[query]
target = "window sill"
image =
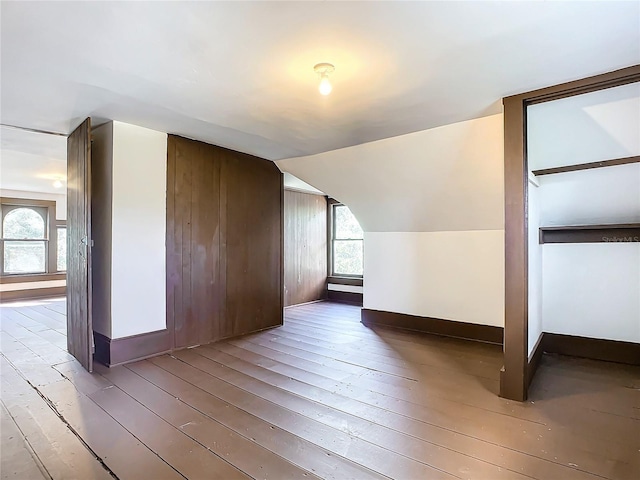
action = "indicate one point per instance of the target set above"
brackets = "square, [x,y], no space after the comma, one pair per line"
[32,277]
[355,281]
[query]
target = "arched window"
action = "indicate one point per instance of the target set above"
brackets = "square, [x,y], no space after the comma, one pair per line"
[24,239]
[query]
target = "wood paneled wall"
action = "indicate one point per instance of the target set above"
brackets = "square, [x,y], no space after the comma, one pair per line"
[224,243]
[305,247]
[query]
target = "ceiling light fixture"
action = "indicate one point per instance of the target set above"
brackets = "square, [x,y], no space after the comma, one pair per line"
[324,69]
[57,183]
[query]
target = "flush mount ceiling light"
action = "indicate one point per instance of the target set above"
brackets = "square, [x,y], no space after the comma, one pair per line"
[324,69]
[58,182]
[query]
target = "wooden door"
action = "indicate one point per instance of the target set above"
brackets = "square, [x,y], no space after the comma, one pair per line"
[79,324]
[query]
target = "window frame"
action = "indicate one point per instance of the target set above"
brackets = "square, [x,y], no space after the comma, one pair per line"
[333,277]
[51,236]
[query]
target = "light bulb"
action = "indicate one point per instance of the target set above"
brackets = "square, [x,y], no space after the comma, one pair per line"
[325,85]
[57,184]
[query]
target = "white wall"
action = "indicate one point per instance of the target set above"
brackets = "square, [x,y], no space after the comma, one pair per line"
[449,275]
[592,290]
[61,199]
[444,179]
[294,183]
[431,205]
[599,195]
[138,230]
[535,266]
[589,290]
[585,128]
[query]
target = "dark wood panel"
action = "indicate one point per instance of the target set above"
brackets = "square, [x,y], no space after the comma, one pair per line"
[587,166]
[613,233]
[353,298]
[79,288]
[224,243]
[173,242]
[254,230]
[513,377]
[469,331]
[305,247]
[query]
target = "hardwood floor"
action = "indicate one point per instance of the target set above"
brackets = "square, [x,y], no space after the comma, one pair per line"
[321,397]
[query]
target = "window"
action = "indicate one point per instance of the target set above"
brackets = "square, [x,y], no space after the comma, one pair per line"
[32,241]
[25,240]
[347,244]
[61,254]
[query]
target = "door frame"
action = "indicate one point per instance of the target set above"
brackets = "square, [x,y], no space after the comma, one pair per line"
[515,375]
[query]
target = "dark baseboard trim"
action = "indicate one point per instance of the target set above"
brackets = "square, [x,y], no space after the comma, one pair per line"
[113,352]
[593,348]
[448,328]
[36,277]
[304,303]
[33,293]
[535,359]
[102,353]
[344,297]
[357,282]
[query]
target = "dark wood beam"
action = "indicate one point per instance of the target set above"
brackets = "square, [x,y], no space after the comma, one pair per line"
[587,166]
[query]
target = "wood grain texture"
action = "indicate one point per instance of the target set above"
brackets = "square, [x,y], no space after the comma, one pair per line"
[79,288]
[321,397]
[305,247]
[224,243]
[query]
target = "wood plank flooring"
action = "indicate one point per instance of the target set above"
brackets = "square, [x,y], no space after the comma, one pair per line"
[321,397]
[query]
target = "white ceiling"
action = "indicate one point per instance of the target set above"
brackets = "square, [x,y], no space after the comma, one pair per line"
[32,161]
[240,74]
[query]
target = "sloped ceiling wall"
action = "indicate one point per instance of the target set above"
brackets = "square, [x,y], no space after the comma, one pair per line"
[431,204]
[445,179]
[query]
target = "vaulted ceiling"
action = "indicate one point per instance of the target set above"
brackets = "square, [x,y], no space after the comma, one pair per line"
[240,74]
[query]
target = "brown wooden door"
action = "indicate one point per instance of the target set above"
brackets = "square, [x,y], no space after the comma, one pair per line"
[79,324]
